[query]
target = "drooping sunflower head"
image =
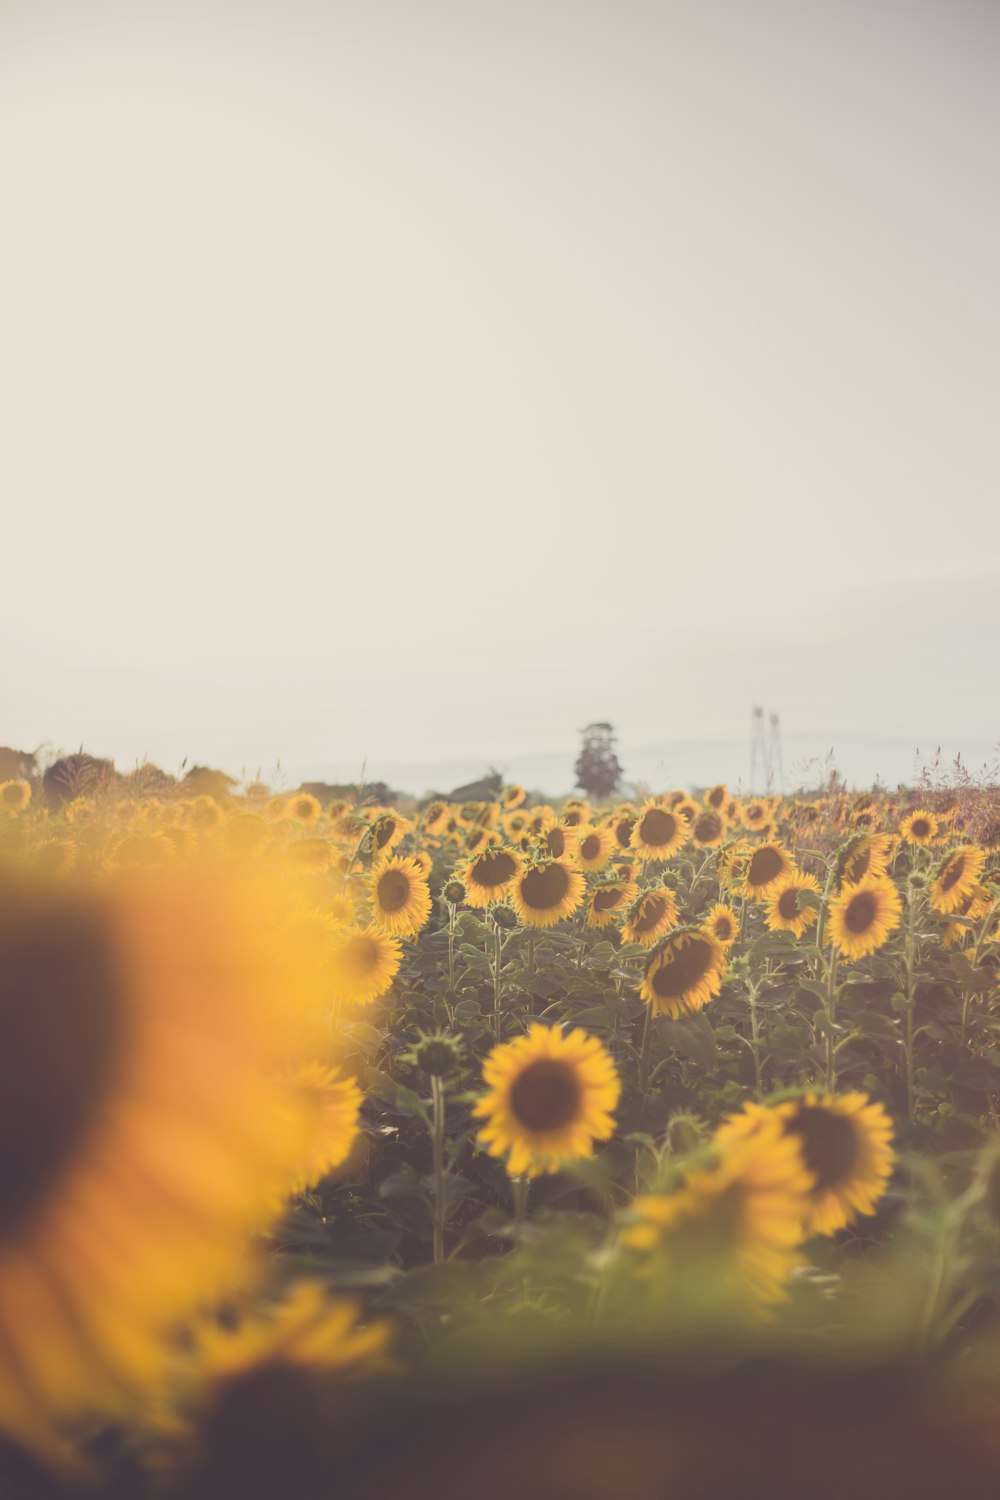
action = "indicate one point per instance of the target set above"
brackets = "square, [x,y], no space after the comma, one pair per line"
[608,901]
[708,829]
[650,916]
[723,924]
[400,897]
[363,963]
[387,828]
[732,1224]
[786,909]
[683,972]
[846,1147]
[767,866]
[863,916]
[559,841]
[488,876]
[14,797]
[919,827]
[550,1095]
[546,892]
[658,832]
[956,877]
[594,847]
[864,854]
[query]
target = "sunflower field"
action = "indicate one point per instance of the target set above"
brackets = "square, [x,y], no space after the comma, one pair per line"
[616,1150]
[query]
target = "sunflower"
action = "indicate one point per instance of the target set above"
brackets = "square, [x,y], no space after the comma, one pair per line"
[977,904]
[546,892]
[575,812]
[715,798]
[363,962]
[387,828]
[755,813]
[80,810]
[246,834]
[14,797]
[784,910]
[708,829]
[651,915]
[514,823]
[204,813]
[251,1400]
[142,1023]
[140,851]
[862,916]
[303,808]
[512,797]
[723,924]
[487,877]
[956,877]
[846,1146]
[480,838]
[865,854]
[606,902]
[332,1104]
[400,897]
[315,854]
[735,1221]
[435,817]
[423,862]
[767,867]
[622,826]
[551,1095]
[594,847]
[559,842]
[658,833]
[686,807]
[540,818]
[683,972]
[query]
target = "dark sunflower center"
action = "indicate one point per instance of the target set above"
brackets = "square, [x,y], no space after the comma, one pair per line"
[393,890]
[754,813]
[623,831]
[861,912]
[829,1144]
[658,827]
[573,818]
[384,832]
[717,796]
[788,903]
[920,828]
[544,887]
[707,827]
[590,848]
[723,927]
[652,911]
[607,897]
[545,1095]
[62,1028]
[361,953]
[683,969]
[765,865]
[953,873]
[491,870]
[557,842]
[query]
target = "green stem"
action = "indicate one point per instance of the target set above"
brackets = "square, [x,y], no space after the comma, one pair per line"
[520,1187]
[755,1036]
[497,981]
[644,1055]
[452,912]
[831,1011]
[437,1143]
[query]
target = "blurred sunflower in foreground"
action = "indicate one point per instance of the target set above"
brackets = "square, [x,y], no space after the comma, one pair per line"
[145,1134]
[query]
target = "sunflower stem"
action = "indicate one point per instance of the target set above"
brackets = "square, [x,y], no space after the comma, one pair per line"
[497,981]
[831,1012]
[437,1144]
[755,1035]
[644,1056]
[519,1188]
[452,912]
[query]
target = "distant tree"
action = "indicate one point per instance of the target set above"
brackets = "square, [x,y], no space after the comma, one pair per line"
[598,772]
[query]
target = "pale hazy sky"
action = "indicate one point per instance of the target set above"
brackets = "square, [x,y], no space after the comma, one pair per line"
[416,380]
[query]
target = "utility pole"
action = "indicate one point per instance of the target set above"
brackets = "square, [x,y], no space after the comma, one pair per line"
[758,747]
[775,769]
